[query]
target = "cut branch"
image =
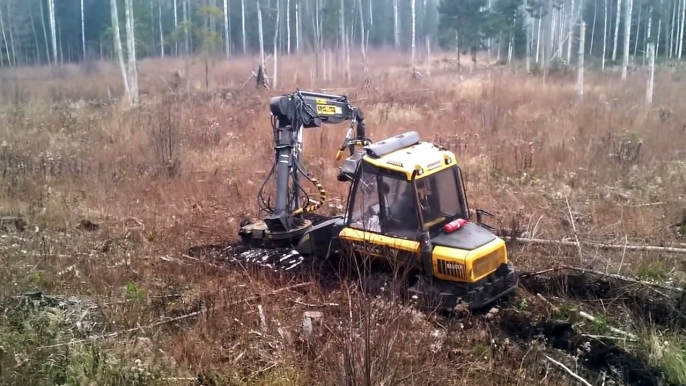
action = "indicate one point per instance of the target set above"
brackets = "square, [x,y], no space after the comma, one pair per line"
[585,382]
[599,245]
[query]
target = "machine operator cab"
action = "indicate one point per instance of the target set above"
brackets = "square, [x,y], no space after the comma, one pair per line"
[403,193]
[390,198]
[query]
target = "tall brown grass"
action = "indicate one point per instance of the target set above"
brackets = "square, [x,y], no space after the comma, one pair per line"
[183,169]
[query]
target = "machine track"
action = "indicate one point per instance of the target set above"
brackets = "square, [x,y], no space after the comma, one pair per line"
[285,259]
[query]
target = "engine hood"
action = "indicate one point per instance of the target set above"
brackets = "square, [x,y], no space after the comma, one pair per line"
[471,236]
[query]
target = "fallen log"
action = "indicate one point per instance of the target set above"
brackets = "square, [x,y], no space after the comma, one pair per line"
[597,245]
[599,273]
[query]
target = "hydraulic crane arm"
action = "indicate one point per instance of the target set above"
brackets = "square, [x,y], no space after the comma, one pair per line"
[291,114]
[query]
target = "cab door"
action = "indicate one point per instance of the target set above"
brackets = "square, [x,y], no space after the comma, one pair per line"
[370,231]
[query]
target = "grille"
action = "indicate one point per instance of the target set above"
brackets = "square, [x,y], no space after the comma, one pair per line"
[488,263]
[451,268]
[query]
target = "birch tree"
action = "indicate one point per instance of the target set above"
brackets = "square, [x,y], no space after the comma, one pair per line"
[118,48]
[396,25]
[83,32]
[4,38]
[627,37]
[580,75]
[288,25]
[226,29]
[245,47]
[681,34]
[176,24]
[159,19]
[276,36]
[53,30]
[131,48]
[261,35]
[45,33]
[651,76]
[413,34]
[362,40]
[672,34]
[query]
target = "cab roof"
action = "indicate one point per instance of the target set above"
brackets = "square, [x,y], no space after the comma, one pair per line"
[406,153]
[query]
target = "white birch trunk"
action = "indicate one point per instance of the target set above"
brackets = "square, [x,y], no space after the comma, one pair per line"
[371,16]
[627,37]
[288,25]
[681,34]
[9,27]
[659,29]
[413,33]
[648,32]
[245,47]
[619,15]
[347,58]
[185,31]
[570,35]
[152,27]
[580,76]
[159,19]
[678,27]
[428,56]
[276,38]
[538,37]
[546,55]
[53,30]
[595,12]
[45,34]
[131,48]
[4,37]
[396,25]
[227,41]
[341,25]
[651,77]
[362,39]
[602,65]
[83,32]
[297,27]
[261,35]
[118,48]
[672,32]
[176,23]
[529,39]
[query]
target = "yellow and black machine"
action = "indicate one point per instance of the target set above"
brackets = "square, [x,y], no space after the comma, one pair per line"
[407,202]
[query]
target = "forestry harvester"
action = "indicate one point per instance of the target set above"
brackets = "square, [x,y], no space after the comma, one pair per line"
[406,203]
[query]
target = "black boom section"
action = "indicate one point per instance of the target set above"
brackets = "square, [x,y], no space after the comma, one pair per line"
[311,109]
[291,113]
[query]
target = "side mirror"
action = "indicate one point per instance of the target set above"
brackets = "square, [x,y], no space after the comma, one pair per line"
[480,213]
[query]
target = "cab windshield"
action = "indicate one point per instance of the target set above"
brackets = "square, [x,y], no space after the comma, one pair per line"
[441,198]
[395,206]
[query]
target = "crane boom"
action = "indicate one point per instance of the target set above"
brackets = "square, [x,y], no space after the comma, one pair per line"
[291,114]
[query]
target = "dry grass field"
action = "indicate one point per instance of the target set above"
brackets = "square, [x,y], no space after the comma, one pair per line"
[101,202]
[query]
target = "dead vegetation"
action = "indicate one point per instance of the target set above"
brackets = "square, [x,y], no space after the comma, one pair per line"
[101,203]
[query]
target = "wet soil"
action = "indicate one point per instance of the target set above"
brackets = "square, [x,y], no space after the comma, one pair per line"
[653,306]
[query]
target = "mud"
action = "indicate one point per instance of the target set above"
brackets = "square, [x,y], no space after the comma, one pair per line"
[597,356]
[642,303]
